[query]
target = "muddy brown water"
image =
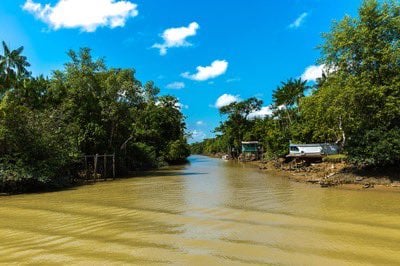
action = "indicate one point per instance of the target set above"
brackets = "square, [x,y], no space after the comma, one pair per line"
[207,212]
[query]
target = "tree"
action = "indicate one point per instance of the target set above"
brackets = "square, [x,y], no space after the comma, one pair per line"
[13,67]
[237,123]
[161,125]
[287,95]
[359,102]
[32,93]
[36,147]
[46,124]
[355,103]
[151,91]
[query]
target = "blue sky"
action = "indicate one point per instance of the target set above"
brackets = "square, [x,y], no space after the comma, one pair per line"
[206,53]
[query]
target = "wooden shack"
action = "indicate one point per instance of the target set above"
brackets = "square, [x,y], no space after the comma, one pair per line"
[251,150]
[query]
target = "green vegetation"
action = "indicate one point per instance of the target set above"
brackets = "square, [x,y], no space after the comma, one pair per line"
[47,124]
[335,158]
[356,102]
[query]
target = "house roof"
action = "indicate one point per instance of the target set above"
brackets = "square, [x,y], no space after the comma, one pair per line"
[249,142]
[311,144]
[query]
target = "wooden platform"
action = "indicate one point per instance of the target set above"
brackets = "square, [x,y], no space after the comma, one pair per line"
[305,155]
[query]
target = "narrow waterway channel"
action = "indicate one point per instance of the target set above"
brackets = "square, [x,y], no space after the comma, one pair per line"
[206,212]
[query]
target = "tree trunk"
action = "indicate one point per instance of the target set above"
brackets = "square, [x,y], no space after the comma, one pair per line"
[111,135]
[123,146]
[343,133]
[290,119]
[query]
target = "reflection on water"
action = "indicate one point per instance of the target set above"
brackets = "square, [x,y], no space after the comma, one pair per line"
[207,212]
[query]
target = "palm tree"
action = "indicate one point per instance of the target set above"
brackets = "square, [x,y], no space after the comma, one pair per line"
[289,94]
[13,67]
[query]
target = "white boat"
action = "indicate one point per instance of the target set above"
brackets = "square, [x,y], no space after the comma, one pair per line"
[312,150]
[226,157]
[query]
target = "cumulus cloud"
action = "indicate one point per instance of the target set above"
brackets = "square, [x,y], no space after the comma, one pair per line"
[263,112]
[87,15]
[176,85]
[300,20]
[178,105]
[200,123]
[198,135]
[217,68]
[281,107]
[181,106]
[176,37]
[313,72]
[226,99]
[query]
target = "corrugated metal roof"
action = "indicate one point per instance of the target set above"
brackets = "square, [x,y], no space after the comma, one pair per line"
[249,142]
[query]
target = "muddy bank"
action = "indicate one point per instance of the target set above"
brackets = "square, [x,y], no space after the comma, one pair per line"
[338,175]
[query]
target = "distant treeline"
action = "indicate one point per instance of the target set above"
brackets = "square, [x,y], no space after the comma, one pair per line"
[356,102]
[47,124]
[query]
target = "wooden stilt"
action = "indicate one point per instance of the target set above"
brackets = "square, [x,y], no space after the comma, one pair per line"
[105,167]
[86,168]
[113,158]
[95,166]
[97,170]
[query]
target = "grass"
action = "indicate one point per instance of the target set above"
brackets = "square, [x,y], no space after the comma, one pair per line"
[335,158]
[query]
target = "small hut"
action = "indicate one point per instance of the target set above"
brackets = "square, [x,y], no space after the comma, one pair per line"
[251,150]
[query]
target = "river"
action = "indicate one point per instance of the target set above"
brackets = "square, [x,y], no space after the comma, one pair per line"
[207,212]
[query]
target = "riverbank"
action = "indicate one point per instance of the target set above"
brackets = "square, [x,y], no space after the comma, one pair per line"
[335,174]
[332,174]
[14,186]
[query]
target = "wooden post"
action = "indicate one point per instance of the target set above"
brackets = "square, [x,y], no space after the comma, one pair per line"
[262,153]
[105,167]
[86,168]
[95,166]
[113,160]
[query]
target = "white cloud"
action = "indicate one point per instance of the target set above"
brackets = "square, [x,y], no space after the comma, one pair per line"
[265,111]
[178,105]
[300,20]
[226,99]
[217,68]
[176,37]
[233,80]
[87,15]
[181,106]
[281,107]
[198,135]
[200,123]
[311,73]
[176,85]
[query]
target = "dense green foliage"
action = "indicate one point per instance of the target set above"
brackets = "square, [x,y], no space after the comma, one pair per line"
[360,101]
[47,124]
[356,102]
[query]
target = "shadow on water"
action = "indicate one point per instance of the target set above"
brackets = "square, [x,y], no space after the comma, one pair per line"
[48,189]
[165,173]
[172,170]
